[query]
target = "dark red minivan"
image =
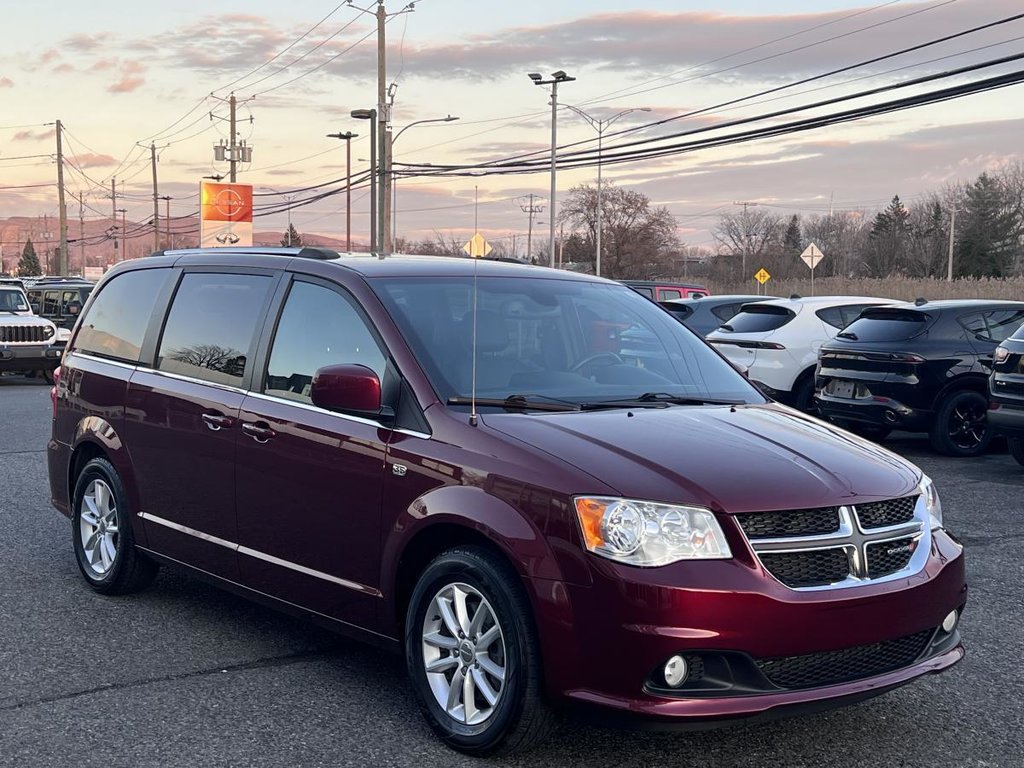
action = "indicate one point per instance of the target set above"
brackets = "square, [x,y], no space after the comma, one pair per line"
[536,484]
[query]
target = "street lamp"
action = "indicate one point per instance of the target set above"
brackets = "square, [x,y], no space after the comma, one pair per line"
[347,137]
[375,231]
[288,197]
[599,126]
[394,178]
[556,78]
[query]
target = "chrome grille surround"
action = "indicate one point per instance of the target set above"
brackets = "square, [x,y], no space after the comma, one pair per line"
[855,540]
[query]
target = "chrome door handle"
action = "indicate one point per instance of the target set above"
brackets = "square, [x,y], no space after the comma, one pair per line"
[216,421]
[258,433]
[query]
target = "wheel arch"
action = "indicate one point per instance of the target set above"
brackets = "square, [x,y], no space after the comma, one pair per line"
[975,382]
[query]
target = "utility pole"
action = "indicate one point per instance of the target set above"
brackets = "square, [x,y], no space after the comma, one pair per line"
[124,232]
[952,240]
[347,138]
[746,237]
[531,207]
[232,105]
[167,220]
[62,258]
[81,232]
[113,212]
[156,201]
[556,78]
[383,130]
[233,151]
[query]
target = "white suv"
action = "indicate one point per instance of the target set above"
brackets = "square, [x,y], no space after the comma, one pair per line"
[26,341]
[778,341]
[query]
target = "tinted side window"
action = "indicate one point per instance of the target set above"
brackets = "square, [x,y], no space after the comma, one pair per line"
[725,312]
[832,316]
[666,294]
[1003,322]
[974,323]
[51,304]
[211,326]
[852,312]
[318,327]
[648,292]
[116,321]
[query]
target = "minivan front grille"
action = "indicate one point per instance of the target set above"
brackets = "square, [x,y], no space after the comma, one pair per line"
[23,334]
[881,514]
[840,546]
[831,667]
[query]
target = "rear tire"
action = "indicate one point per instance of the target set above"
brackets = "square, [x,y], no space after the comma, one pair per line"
[803,395]
[507,711]
[1016,445]
[961,425]
[101,530]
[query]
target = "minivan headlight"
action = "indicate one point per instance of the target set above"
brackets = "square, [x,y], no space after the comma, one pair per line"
[931,501]
[646,533]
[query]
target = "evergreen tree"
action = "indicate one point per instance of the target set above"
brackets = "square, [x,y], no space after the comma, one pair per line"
[292,237]
[986,232]
[888,239]
[29,266]
[793,241]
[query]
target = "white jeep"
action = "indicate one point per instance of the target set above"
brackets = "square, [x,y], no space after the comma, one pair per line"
[28,344]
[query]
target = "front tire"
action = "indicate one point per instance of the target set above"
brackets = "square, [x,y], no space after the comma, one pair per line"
[961,425]
[1016,445]
[474,657]
[101,529]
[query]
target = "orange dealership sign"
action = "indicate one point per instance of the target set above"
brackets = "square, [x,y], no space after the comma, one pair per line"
[225,213]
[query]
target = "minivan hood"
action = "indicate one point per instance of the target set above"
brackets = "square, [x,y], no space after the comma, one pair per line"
[743,459]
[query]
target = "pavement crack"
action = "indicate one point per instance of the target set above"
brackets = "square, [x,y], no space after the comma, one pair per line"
[265,663]
[22,453]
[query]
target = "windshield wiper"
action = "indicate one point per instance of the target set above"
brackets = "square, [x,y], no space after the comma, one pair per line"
[519,402]
[659,400]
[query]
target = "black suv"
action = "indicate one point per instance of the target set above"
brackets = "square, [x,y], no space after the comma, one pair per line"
[60,299]
[1006,390]
[920,367]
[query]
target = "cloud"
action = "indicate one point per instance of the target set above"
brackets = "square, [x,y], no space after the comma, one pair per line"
[30,135]
[6,82]
[84,42]
[50,55]
[92,160]
[131,77]
[102,65]
[63,69]
[285,172]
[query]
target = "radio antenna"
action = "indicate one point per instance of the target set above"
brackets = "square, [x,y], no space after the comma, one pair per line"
[472,384]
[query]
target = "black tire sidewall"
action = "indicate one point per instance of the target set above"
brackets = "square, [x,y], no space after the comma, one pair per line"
[479,571]
[1016,446]
[103,470]
[940,430]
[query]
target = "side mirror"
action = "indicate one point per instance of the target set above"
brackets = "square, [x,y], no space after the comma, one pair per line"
[34,307]
[74,307]
[349,388]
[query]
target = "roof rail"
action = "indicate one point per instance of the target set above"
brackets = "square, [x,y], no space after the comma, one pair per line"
[305,252]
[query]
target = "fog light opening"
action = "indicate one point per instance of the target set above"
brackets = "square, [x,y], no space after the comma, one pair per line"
[676,670]
[948,623]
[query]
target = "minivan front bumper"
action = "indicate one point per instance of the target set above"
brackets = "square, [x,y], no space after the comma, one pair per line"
[738,623]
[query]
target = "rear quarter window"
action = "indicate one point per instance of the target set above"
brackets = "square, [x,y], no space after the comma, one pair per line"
[116,321]
[759,318]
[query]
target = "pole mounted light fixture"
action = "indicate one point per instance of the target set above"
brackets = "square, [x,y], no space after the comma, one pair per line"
[394,177]
[556,77]
[347,137]
[376,233]
[599,126]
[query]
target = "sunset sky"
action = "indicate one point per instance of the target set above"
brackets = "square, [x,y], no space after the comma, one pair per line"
[117,74]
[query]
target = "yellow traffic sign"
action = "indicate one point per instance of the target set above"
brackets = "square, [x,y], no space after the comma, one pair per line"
[477,246]
[762,276]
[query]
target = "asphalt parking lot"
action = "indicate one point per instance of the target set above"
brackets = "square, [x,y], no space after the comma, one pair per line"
[187,675]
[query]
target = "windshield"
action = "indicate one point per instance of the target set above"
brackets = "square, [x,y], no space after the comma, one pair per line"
[12,300]
[570,340]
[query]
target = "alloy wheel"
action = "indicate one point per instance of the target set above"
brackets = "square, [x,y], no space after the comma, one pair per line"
[967,425]
[98,527]
[464,653]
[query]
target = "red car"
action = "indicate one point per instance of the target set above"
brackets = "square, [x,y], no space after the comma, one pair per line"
[458,460]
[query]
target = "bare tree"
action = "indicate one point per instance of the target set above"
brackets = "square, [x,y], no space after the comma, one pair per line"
[752,235]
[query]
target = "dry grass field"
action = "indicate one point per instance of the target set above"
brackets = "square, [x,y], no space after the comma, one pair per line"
[900,288]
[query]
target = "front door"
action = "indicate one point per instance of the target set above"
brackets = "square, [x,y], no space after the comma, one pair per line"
[309,480]
[181,417]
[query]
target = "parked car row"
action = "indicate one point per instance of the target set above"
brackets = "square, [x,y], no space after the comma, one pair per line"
[950,368]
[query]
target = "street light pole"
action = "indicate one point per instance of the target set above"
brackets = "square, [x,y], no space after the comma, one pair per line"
[371,115]
[556,78]
[347,138]
[599,126]
[394,178]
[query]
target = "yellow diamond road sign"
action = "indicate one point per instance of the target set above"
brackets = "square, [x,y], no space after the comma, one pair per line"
[762,276]
[477,246]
